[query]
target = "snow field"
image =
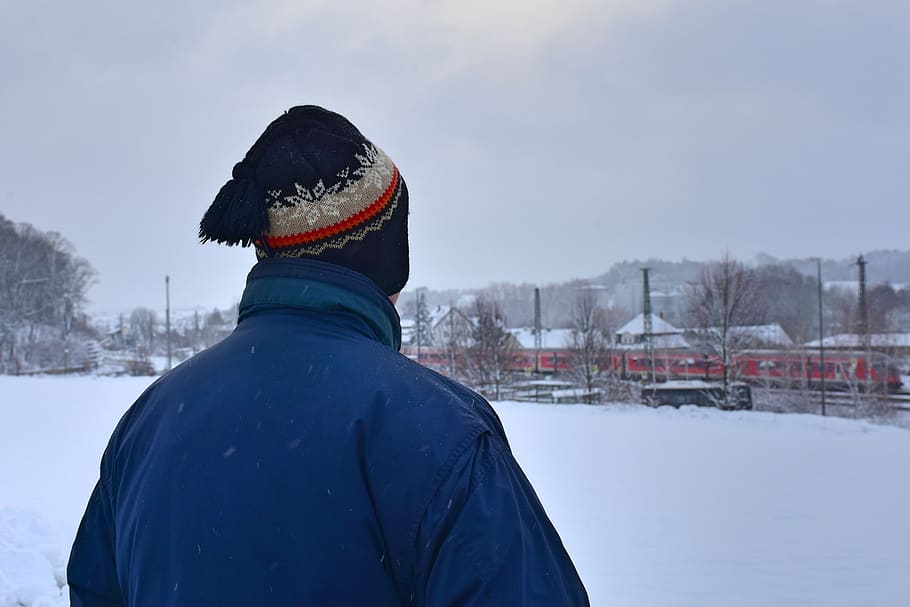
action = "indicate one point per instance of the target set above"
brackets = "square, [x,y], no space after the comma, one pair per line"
[704,507]
[53,431]
[657,507]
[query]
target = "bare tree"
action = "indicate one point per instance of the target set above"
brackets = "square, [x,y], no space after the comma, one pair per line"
[590,342]
[215,327]
[883,303]
[487,357]
[797,312]
[723,299]
[42,290]
[143,324]
[455,333]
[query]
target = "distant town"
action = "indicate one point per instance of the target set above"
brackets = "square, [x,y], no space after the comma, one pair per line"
[766,322]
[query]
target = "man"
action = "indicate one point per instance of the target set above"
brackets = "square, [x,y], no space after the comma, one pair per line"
[303,460]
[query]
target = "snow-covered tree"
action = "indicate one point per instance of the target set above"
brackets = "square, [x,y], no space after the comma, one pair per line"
[723,298]
[422,336]
[491,345]
[43,284]
[143,326]
[590,341]
[797,311]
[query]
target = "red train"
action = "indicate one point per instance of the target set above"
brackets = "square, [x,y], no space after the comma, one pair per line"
[842,371]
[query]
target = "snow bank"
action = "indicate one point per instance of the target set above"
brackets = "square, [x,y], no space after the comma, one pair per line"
[32,561]
[52,433]
[657,507]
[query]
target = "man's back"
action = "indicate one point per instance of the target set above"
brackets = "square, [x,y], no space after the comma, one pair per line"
[304,461]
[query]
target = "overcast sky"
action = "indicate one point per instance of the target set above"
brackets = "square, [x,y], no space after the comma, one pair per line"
[541,140]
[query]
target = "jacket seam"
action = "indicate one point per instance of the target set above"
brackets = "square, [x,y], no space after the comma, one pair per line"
[471,555]
[444,471]
[469,551]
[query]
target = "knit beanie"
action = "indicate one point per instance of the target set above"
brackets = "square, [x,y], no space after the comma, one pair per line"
[312,186]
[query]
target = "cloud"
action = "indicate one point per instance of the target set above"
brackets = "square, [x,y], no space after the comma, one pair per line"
[611,128]
[454,35]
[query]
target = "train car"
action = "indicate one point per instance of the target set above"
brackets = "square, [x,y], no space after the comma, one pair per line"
[842,370]
[786,369]
[554,361]
[434,358]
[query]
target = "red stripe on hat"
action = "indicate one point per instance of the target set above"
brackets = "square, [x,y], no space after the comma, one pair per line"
[343,226]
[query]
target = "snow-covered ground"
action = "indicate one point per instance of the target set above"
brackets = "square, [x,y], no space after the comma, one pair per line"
[657,507]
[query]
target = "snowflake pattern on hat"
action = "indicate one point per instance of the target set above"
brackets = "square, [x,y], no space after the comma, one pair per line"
[359,199]
[319,207]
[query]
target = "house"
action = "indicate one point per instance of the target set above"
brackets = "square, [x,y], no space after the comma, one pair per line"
[441,322]
[550,339]
[664,336]
[767,336]
[751,336]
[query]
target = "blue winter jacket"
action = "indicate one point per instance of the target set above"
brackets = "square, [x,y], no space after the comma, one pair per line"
[304,461]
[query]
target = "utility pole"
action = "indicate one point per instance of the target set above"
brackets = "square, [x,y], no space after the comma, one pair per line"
[537,329]
[649,326]
[821,332]
[863,320]
[167,317]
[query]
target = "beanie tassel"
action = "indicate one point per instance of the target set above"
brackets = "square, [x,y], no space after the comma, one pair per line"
[237,216]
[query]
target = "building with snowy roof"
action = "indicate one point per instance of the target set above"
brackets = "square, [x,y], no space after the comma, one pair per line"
[442,322]
[664,336]
[755,336]
[770,336]
[550,339]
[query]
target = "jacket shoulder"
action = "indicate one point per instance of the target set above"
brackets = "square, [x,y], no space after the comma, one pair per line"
[458,399]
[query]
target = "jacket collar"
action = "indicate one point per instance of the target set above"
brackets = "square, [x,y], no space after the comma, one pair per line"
[320,286]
